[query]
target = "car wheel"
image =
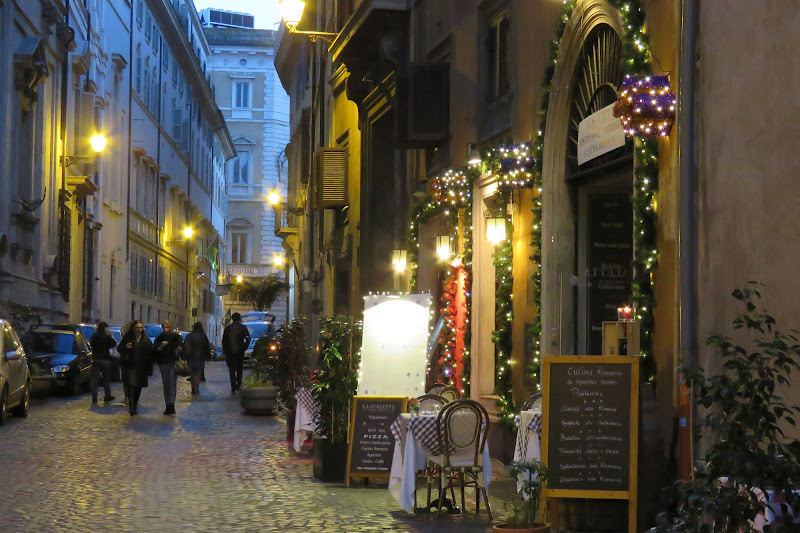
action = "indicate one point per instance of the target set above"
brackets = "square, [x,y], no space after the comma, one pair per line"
[22,409]
[3,403]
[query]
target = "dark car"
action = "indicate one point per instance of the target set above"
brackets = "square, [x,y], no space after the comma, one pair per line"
[258,316]
[61,358]
[257,330]
[152,331]
[15,379]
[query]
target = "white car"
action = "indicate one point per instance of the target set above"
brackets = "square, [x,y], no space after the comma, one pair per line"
[15,377]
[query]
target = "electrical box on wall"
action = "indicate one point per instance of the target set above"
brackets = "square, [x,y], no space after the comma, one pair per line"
[621,337]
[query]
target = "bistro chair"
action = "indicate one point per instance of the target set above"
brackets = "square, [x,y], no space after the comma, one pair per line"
[461,427]
[427,401]
[532,402]
[436,389]
[450,393]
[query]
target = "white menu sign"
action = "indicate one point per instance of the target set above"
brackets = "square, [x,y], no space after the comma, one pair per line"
[394,345]
[598,134]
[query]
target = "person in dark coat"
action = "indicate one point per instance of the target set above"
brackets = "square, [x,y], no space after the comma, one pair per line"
[195,350]
[167,347]
[102,342]
[136,355]
[235,340]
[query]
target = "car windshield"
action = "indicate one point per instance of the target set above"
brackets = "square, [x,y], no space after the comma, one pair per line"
[258,316]
[257,330]
[153,330]
[87,331]
[50,342]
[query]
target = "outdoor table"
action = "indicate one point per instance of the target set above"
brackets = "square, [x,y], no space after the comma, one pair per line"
[415,440]
[529,434]
[305,413]
[773,513]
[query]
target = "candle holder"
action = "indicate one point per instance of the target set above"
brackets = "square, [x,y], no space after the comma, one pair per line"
[626,313]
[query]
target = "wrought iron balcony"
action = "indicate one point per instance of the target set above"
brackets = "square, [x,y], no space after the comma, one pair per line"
[286,220]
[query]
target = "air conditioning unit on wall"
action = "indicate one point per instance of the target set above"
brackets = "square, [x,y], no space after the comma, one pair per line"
[330,167]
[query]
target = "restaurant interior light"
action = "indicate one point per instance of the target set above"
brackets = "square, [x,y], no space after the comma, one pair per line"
[443,247]
[496,230]
[399,258]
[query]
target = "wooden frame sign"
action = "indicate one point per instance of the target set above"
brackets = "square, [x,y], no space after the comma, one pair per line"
[590,430]
[371,443]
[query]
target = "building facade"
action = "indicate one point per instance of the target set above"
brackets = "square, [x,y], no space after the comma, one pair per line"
[671,224]
[99,236]
[255,107]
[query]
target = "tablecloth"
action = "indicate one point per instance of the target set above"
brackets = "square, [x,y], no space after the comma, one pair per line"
[410,456]
[529,434]
[305,413]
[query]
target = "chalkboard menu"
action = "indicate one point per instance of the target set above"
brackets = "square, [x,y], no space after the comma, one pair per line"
[591,405]
[371,441]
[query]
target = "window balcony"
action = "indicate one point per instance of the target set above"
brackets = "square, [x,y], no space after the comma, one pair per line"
[251,271]
[286,222]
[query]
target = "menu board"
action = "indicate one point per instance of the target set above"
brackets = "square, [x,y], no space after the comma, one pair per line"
[371,443]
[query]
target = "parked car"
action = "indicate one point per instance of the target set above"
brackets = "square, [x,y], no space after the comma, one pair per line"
[62,358]
[153,331]
[15,377]
[258,316]
[116,371]
[257,330]
[86,329]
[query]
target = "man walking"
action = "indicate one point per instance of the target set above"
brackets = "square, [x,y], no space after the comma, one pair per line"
[167,345]
[102,342]
[235,339]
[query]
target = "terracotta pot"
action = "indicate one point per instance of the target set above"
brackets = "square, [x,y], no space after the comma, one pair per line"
[535,528]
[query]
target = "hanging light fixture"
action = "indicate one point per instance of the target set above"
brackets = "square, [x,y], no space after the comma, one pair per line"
[495,230]
[443,247]
[473,155]
[399,258]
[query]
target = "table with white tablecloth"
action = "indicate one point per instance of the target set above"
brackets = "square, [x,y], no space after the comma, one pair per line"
[306,411]
[529,434]
[415,440]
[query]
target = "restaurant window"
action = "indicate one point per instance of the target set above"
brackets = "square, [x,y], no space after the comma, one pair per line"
[239,247]
[497,56]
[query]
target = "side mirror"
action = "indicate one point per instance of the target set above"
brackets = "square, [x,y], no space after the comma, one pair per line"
[11,356]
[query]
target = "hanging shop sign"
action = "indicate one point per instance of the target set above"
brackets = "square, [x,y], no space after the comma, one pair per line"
[598,134]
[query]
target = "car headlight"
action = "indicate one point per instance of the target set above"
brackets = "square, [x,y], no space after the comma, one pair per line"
[61,368]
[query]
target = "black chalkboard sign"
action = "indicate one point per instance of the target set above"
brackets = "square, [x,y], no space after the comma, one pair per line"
[590,427]
[371,443]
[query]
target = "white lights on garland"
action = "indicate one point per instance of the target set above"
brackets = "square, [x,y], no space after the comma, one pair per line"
[512,165]
[646,106]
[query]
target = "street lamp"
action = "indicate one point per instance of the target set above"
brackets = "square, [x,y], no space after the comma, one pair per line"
[443,247]
[239,278]
[97,141]
[278,260]
[399,258]
[495,230]
[274,199]
[187,234]
[292,14]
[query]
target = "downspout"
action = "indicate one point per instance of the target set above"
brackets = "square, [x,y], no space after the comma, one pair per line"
[64,96]
[130,137]
[688,166]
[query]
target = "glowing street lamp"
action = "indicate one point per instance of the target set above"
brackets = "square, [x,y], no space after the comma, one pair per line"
[274,197]
[399,258]
[292,13]
[278,260]
[443,247]
[98,142]
[188,232]
[239,278]
[496,230]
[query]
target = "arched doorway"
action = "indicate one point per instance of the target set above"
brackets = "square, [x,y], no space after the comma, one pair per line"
[587,220]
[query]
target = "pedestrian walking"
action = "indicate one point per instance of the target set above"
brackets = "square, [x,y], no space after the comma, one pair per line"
[136,351]
[102,343]
[167,348]
[235,339]
[195,350]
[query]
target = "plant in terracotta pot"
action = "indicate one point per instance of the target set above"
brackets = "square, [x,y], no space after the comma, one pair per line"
[291,369]
[259,396]
[334,385]
[524,511]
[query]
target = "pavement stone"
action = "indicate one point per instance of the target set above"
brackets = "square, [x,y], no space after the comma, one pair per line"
[71,466]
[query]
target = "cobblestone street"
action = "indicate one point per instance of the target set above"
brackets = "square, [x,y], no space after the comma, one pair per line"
[72,466]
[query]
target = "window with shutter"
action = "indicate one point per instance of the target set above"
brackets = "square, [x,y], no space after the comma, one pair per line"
[497,58]
[332,177]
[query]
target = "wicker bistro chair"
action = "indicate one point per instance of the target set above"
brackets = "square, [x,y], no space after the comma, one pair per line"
[450,393]
[427,401]
[462,427]
[532,402]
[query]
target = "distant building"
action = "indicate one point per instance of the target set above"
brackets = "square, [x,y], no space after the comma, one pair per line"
[256,110]
[219,18]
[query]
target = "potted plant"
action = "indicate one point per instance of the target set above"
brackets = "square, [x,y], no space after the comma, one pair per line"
[335,384]
[291,367]
[746,451]
[259,395]
[261,293]
[524,511]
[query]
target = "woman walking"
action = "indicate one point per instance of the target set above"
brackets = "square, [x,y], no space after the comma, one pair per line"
[136,351]
[167,346]
[195,350]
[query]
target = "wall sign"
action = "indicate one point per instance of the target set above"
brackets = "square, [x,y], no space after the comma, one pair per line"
[598,134]
[590,425]
[371,443]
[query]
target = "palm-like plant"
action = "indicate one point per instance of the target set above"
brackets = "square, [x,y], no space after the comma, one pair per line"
[261,293]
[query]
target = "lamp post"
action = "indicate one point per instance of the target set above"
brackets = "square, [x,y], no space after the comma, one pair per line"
[98,143]
[274,199]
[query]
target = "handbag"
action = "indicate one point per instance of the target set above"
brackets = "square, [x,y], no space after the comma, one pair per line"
[182,367]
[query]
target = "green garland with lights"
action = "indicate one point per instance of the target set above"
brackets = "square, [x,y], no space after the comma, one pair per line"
[504,317]
[636,60]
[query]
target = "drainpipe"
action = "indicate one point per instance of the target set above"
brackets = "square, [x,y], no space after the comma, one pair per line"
[130,136]
[687,129]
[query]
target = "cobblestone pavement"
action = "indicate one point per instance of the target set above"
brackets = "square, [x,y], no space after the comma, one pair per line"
[72,466]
